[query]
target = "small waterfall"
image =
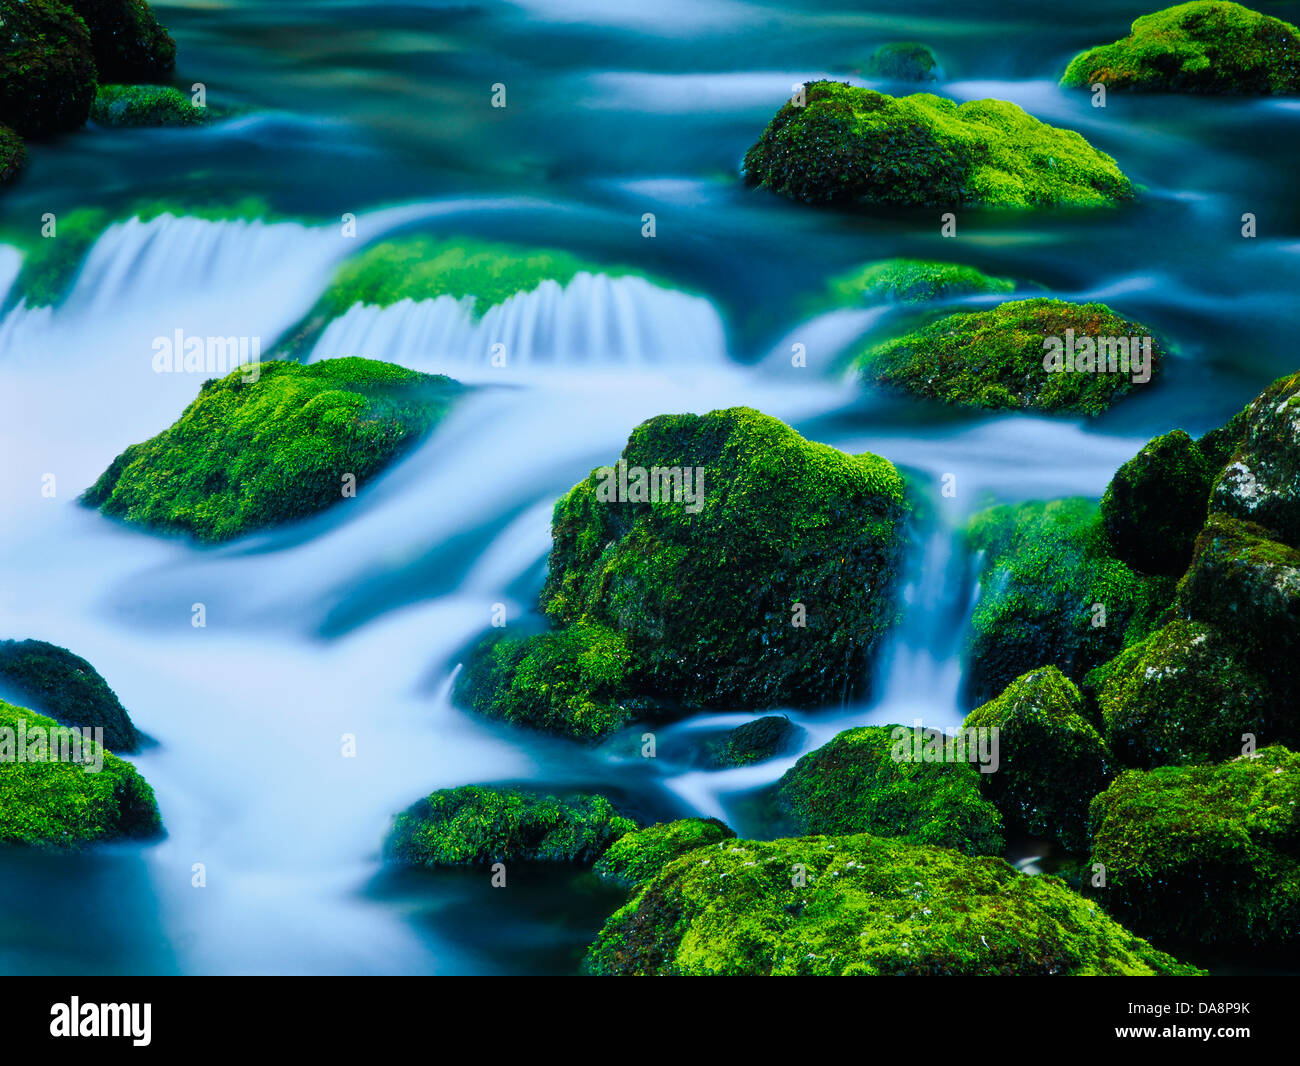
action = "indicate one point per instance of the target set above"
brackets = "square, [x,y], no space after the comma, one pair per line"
[11,263]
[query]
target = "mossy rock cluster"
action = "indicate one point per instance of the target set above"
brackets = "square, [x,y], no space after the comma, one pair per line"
[1201,47]
[129,44]
[861,905]
[843,145]
[642,853]
[911,281]
[270,443]
[146,105]
[47,68]
[757,741]
[902,61]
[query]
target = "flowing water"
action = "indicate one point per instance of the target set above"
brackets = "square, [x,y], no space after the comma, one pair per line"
[354,622]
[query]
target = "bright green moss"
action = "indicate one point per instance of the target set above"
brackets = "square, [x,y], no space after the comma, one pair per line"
[1205,853]
[248,454]
[50,264]
[129,43]
[1196,48]
[571,682]
[911,281]
[644,852]
[995,358]
[146,105]
[66,687]
[474,824]
[861,905]
[863,781]
[51,804]
[706,592]
[757,741]
[852,145]
[903,61]
[1051,759]
[1051,594]
[47,72]
[1156,504]
[13,154]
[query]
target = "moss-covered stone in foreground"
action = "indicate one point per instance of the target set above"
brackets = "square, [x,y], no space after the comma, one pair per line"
[1205,853]
[861,905]
[68,688]
[59,805]
[757,741]
[644,852]
[911,281]
[995,358]
[248,454]
[1201,47]
[902,61]
[146,105]
[850,145]
[855,784]
[476,824]
[47,71]
[1051,759]
[130,44]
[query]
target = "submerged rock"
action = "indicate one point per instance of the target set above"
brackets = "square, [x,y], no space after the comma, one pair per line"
[757,741]
[861,905]
[475,824]
[47,70]
[1203,47]
[912,281]
[270,443]
[642,853]
[847,145]
[146,105]
[903,61]
[130,45]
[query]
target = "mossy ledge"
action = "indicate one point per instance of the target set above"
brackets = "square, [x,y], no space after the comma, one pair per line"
[146,105]
[845,145]
[911,281]
[642,853]
[271,443]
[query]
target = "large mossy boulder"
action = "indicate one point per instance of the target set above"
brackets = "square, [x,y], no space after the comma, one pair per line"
[1202,47]
[757,741]
[146,105]
[911,281]
[1051,594]
[840,144]
[270,443]
[770,583]
[473,825]
[998,358]
[48,801]
[47,70]
[642,853]
[129,43]
[1205,853]
[902,61]
[66,687]
[876,779]
[864,906]
[1051,760]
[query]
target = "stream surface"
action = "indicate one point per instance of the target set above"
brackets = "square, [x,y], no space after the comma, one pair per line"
[354,622]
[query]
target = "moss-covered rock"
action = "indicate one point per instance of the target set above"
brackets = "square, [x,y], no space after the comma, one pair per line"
[1205,853]
[642,853]
[48,803]
[848,145]
[571,682]
[871,780]
[50,264]
[13,154]
[474,824]
[146,105]
[757,741]
[997,358]
[1156,503]
[912,281]
[1052,594]
[861,905]
[902,61]
[270,443]
[129,43]
[1202,47]
[66,687]
[1051,761]
[47,71]
[709,592]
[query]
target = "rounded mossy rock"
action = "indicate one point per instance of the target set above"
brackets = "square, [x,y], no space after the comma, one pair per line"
[1261,479]
[1156,504]
[772,531]
[47,70]
[1051,760]
[48,801]
[876,779]
[1051,594]
[474,824]
[912,281]
[1182,695]
[1203,47]
[642,853]
[571,682]
[998,359]
[757,741]
[130,45]
[902,61]
[146,105]
[861,905]
[848,145]
[270,443]
[1209,854]
[66,687]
